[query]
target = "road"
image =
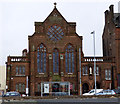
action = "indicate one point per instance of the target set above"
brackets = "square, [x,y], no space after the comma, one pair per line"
[66,101]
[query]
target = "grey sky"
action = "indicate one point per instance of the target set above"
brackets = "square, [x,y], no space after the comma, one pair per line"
[17,22]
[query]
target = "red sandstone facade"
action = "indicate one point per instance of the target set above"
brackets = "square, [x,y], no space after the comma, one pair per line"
[53,56]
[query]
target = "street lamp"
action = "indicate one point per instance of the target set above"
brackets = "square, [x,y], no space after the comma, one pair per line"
[94,58]
[27,89]
[80,70]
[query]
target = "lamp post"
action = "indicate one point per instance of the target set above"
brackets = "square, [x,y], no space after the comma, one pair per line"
[80,69]
[27,89]
[94,58]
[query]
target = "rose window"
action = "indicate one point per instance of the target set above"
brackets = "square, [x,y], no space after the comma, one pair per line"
[55,33]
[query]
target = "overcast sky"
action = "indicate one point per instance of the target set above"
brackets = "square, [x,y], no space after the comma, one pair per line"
[17,19]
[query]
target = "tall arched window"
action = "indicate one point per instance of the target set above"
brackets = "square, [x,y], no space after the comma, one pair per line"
[69,59]
[55,61]
[41,59]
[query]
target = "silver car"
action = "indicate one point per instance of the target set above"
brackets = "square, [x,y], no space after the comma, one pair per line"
[11,94]
[106,92]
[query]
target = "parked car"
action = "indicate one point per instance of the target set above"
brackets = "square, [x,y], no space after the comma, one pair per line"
[11,94]
[117,91]
[92,92]
[106,92]
[60,93]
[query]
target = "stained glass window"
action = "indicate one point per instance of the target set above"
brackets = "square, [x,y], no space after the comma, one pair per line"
[55,61]
[66,62]
[41,59]
[69,59]
[55,33]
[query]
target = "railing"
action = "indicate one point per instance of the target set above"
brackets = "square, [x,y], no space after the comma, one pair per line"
[98,59]
[18,59]
[85,59]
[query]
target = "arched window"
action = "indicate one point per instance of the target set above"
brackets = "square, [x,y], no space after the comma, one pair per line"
[69,59]
[55,61]
[41,59]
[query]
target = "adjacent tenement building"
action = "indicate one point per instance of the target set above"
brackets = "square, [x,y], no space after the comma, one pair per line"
[55,55]
[2,80]
[111,39]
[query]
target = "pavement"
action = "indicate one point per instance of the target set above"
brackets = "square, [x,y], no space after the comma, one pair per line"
[0,100]
[66,101]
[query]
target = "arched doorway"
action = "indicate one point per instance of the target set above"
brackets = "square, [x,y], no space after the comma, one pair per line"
[55,87]
[85,88]
[97,85]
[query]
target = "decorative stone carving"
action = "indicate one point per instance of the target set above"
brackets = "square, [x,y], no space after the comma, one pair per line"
[90,70]
[50,56]
[61,56]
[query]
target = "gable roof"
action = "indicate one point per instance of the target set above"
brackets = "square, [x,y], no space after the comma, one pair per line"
[55,10]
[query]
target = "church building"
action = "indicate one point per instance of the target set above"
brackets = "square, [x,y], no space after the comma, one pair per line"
[55,58]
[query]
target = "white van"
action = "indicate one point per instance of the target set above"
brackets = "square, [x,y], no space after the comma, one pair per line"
[92,92]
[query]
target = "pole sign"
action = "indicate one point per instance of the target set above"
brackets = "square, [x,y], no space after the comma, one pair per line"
[27,91]
[46,88]
[119,81]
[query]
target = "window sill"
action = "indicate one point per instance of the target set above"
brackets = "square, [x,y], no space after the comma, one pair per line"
[42,73]
[85,74]
[108,79]
[19,75]
[56,74]
[70,73]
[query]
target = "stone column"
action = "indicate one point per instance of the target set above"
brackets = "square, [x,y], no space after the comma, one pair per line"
[50,72]
[61,67]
